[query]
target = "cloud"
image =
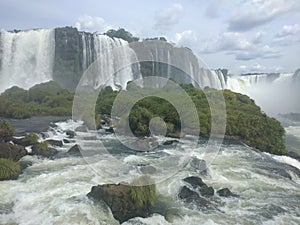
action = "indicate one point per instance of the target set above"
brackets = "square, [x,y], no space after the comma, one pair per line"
[288,35]
[186,38]
[243,48]
[227,41]
[288,30]
[258,68]
[169,17]
[257,12]
[92,24]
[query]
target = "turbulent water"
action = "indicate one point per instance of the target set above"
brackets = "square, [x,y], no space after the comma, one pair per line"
[53,191]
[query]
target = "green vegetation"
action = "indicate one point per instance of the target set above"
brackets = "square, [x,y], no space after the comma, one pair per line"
[33,138]
[9,169]
[143,195]
[40,100]
[121,33]
[245,120]
[6,130]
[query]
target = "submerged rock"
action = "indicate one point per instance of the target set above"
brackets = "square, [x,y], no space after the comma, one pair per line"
[199,165]
[225,192]
[13,152]
[170,142]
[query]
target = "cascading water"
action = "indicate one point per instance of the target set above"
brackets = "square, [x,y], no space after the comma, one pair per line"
[105,60]
[275,93]
[26,58]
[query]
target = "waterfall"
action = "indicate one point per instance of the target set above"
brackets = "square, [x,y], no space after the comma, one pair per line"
[26,57]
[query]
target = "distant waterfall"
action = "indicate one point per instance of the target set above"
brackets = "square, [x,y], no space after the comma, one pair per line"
[26,58]
[99,49]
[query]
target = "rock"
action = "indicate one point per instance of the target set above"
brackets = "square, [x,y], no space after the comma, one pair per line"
[9,170]
[29,139]
[42,149]
[189,196]
[170,142]
[66,141]
[125,201]
[225,192]
[55,142]
[12,152]
[197,183]
[75,150]
[70,133]
[25,164]
[294,155]
[109,130]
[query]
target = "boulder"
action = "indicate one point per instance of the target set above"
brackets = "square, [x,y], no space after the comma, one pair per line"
[198,184]
[57,143]
[75,150]
[42,149]
[12,152]
[125,201]
[29,139]
[66,141]
[225,192]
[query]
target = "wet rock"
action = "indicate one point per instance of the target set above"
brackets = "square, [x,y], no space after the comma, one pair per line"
[25,164]
[225,192]
[70,133]
[57,143]
[42,149]
[120,199]
[109,130]
[170,142]
[75,150]
[66,141]
[190,196]
[198,184]
[12,152]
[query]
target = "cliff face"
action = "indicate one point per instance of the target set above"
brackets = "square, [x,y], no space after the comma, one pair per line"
[67,68]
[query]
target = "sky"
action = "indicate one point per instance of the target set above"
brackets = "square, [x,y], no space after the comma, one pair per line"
[241,35]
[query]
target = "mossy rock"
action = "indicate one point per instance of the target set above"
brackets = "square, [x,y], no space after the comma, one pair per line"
[43,149]
[6,130]
[127,201]
[9,169]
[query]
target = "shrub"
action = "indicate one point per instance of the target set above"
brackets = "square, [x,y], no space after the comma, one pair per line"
[9,169]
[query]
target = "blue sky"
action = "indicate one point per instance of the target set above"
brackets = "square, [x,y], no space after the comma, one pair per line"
[241,35]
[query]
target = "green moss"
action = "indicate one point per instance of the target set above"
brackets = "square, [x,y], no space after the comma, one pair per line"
[43,146]
[9,169]
[33,138]
[143,195]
